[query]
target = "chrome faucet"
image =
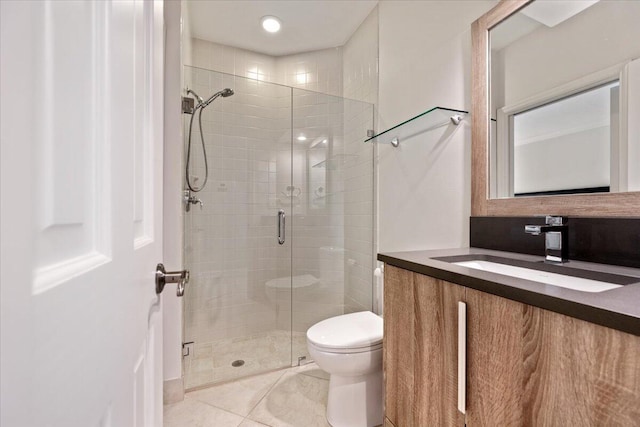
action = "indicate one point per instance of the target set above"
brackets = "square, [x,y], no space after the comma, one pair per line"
[189,200]
[555,238]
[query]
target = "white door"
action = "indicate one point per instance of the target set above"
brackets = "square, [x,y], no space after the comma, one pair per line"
[81,185]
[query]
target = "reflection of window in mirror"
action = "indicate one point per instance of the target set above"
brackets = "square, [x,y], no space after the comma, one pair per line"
[564,147]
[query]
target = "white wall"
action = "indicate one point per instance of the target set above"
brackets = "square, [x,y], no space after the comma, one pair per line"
[424,185]
[185,28]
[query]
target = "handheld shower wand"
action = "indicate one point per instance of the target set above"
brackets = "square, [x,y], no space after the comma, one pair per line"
[223,93]
[198,109]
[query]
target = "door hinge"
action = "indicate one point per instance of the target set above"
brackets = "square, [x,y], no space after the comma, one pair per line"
[186,346]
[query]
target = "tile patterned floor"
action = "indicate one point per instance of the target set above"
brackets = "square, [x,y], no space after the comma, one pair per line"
[210,362]
[293,397]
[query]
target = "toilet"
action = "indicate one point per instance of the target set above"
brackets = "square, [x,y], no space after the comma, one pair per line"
[331,263]
[349,348]
[301,286]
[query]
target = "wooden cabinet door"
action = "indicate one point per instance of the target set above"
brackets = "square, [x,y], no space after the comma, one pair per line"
[436,346]
[420,355]
[494,360]
[532,367]
[578,373]
[398,346]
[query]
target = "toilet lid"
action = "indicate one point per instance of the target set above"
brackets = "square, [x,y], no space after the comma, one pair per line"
[353,330]
[295,282]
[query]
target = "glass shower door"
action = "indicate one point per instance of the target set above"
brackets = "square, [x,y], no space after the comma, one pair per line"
[333,211]
[237,308]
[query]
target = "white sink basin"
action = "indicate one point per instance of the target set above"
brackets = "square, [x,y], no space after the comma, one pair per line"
[570,282]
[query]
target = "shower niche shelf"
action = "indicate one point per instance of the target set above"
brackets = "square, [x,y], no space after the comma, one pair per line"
[434,118]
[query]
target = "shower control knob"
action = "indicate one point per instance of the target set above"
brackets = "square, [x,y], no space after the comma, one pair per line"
[189,200]
[163,277]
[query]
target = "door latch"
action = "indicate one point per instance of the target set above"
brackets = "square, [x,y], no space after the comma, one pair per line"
[163,277]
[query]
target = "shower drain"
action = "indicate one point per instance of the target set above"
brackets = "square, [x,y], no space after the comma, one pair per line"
[237,363]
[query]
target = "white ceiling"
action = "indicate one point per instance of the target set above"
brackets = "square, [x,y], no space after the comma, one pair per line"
[541,12]
[306,24]
[512,29]
[552,13]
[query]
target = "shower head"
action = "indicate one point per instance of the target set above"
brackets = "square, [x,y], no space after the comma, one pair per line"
[195,95]
[223,93]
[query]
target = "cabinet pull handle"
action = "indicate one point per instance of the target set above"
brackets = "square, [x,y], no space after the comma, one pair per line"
[462,356]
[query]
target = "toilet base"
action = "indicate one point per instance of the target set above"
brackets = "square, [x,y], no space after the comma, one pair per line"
[355,401]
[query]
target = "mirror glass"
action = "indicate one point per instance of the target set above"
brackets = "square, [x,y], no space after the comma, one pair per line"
[565,99]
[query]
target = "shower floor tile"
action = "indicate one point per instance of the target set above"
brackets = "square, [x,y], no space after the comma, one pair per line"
[211,362]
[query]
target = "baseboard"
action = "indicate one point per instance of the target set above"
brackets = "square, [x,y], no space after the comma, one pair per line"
[173,391]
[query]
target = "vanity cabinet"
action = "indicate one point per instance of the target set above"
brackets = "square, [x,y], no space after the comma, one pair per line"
[524,365]
[420,316]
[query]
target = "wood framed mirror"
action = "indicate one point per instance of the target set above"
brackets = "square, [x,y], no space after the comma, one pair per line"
[622,204]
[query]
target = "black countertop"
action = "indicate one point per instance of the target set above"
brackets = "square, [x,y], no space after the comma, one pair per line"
[617,308]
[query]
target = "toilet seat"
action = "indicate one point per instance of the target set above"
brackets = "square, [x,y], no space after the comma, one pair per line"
[347,350]
[349,333]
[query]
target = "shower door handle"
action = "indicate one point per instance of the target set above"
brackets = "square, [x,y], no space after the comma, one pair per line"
[281,227]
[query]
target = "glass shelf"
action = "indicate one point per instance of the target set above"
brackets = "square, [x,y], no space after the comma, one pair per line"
[424,122]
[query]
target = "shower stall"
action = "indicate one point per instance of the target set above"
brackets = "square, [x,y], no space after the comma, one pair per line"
[282,234]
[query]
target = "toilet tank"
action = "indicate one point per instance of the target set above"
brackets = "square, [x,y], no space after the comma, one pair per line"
[331,264]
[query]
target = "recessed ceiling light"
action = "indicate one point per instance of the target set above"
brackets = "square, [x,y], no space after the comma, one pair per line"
[302,138]
[271,24]
[324,141]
